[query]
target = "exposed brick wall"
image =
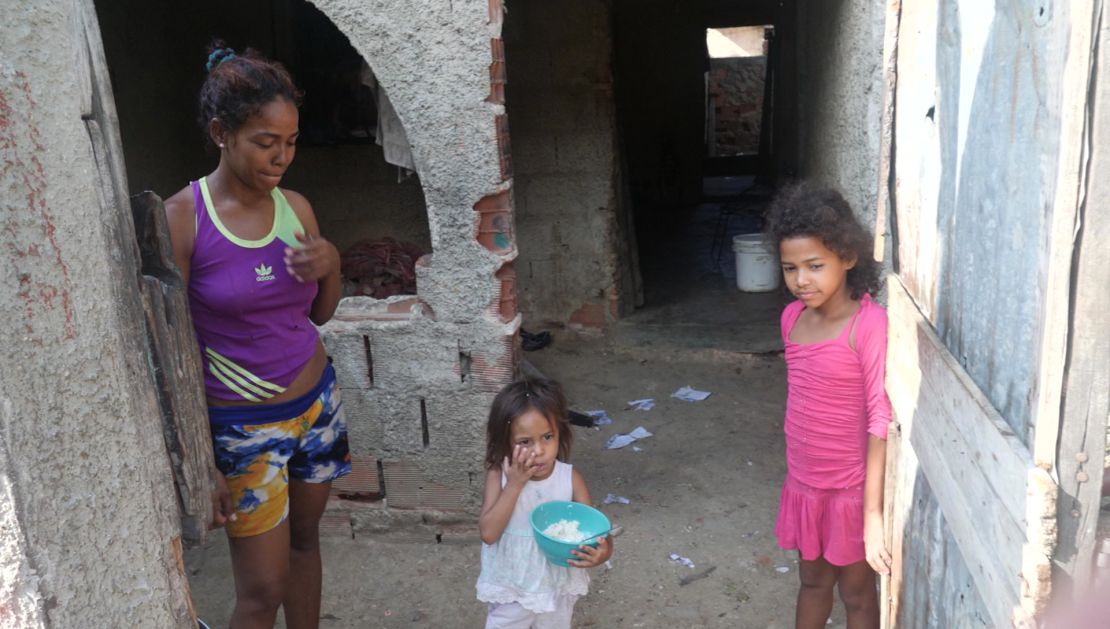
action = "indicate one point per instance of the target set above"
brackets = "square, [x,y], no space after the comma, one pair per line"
[590,316]
[504,148]
[493,368]
[495,222]
[497,73]
[415,405]
[504,304]
[736,89]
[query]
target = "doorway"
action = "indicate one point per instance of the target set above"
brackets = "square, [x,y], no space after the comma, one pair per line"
[718,104]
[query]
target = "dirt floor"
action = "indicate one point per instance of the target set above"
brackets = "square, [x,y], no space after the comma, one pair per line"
[705,486]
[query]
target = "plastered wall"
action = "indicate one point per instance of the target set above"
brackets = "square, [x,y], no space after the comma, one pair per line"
[839,85]
[418,375]
[89,533]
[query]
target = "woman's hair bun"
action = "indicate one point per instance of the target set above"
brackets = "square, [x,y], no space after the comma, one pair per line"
[219,55]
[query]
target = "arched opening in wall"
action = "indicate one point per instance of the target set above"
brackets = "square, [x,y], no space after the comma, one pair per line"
[353,161]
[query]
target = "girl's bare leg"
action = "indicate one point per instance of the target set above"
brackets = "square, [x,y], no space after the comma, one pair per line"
[859,593]
[815,596]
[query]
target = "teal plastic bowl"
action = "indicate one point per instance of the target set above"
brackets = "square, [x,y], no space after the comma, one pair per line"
[590,522]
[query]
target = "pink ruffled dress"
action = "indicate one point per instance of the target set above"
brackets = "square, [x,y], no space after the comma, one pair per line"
[835,399]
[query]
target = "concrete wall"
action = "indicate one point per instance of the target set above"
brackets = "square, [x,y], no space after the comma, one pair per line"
[560,104]
[357,196]
[417,376]
[839,87]
[157,64]
[89,533]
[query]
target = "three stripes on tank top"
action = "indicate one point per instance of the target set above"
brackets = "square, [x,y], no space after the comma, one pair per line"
[239,380]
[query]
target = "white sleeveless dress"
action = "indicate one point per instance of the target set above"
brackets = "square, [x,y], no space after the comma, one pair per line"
[514,570]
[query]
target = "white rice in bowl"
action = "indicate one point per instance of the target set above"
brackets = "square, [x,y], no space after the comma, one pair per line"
[565,531]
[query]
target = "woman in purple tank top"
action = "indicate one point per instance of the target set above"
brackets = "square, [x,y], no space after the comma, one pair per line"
[260,276]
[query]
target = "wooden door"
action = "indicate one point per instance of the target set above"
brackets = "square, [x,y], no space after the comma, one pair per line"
[983,180]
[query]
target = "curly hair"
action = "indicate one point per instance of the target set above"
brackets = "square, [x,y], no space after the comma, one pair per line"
[517,398]
[239,85]
[801,210]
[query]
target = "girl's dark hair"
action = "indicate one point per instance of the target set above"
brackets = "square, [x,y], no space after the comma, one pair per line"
[539,394]
[801,210]
[239,85]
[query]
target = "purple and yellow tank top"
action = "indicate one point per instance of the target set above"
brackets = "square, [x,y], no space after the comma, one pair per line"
[250,314]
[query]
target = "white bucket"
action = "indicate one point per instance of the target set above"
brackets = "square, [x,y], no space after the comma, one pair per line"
[757,263]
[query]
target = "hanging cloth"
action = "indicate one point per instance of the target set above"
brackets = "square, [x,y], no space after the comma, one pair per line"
[390,133]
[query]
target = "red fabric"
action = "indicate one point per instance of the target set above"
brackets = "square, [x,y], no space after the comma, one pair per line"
[381,268]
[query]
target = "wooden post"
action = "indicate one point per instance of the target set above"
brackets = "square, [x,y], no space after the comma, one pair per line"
[890,586]
[1086,407]
[885,197]
[177,367]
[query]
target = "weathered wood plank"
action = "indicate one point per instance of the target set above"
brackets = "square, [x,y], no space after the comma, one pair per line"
[939,588]
[884,204]
[1075,83]
[982,474]
[948,409]
[890,587]
[1087,390]
[177,367]
[916,171]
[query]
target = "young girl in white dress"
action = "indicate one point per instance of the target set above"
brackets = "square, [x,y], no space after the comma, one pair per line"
[527,443]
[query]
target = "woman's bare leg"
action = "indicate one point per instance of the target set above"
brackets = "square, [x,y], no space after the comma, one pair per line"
[302,600]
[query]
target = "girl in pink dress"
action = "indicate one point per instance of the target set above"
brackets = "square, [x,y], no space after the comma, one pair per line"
[837,410]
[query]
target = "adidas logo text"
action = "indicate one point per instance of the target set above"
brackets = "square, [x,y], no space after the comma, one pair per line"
[265,273]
